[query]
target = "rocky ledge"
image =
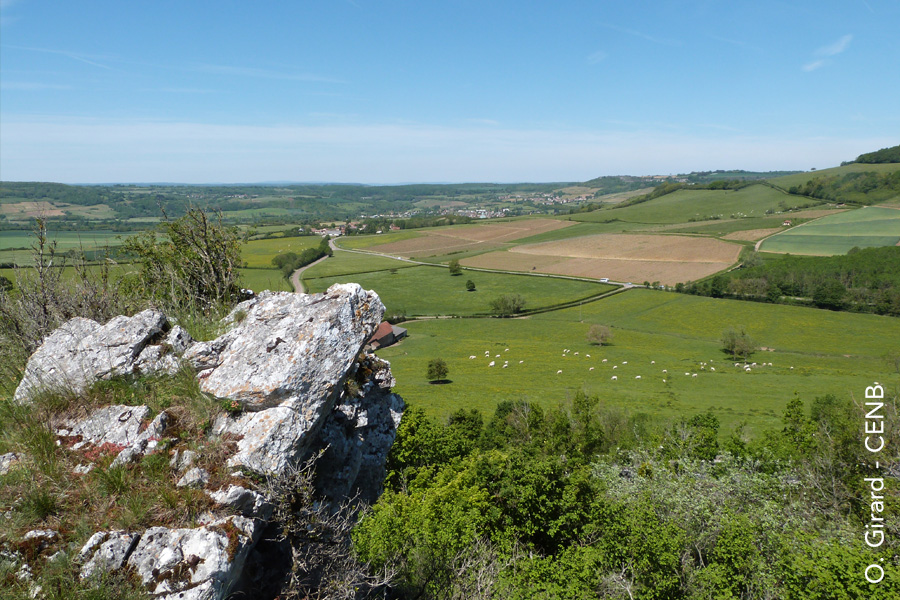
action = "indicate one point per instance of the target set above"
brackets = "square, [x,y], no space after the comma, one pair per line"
[293,373]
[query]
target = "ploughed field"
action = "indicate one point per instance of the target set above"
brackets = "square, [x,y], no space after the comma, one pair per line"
[620,257]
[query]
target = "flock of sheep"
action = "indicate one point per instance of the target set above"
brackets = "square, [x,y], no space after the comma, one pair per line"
[704,366]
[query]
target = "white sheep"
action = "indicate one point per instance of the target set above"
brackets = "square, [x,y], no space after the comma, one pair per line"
[664,371]
[491,364]
[587,355]
[652,362]
[471,357]
[637,376]
[507,350]
[615,366]
[497,356]
[624,362]
[614,378]
[604,360]
[559,372]
[504,366]
[576,354]
[521,361]
[712,368]
[687,373]
[693,375]
[591,369]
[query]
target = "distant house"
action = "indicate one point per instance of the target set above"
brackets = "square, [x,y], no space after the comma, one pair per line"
[786,223]
[385,335]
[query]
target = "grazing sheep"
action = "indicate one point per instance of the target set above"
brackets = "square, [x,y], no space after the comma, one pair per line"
[559,372]
[576,354]
[504,366]
[497,356]
[591,369]
[614,378]
[712,368]
[521,361]
[687,373]
[587,355]
[507,350]
[664,380]
[693,375]
[664,371]
[604,360]
[652,362]
[792,368]
[615,366]
[492,364]
[471,357]
[624,362]
[637,376]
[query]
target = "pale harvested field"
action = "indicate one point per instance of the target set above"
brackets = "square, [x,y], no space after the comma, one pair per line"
[751,235]
[620,257]
[677,248]
[30,209]
[470,237]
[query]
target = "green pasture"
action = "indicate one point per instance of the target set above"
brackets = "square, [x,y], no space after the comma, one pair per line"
[726,226]
[830,352]
[355,242]
[869,227]
[259,253]
[684,205]
[65,240]
[264,279]
[426,290]
[800,178]
[348,263]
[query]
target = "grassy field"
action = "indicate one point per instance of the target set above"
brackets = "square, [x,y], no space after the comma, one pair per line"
[12,242]
[259,253]
[348,263]
[684,205]
[426,290]
[265,279]
[830,352]
[868,227]
[370,241]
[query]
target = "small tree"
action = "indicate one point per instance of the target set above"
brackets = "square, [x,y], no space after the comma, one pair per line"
[455,268]
[507,305]
[437,370]
[599,334]
[738,343]
[470,286]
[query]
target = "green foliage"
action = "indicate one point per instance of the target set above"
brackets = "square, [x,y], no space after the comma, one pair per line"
[437,369]
[738,343]
[599,334]
[507,305]
[885,155]
[197,263]
[291,261]
[470,286]
[856,187]
[455,268]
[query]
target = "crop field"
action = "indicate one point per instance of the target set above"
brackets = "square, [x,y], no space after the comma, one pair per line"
[15,245]
[461,238]
[684,205]
[814,353]
[620,257]
[872,226]
[427,290]
[259,253]
[371,241]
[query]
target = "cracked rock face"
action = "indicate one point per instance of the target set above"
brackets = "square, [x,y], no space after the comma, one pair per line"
[289,348]
[82,351]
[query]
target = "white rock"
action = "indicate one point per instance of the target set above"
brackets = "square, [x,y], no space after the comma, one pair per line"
[195,477]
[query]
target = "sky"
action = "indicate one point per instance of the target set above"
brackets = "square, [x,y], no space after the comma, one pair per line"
[106,91]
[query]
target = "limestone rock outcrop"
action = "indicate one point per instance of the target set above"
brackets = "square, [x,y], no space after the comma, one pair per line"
[292,372]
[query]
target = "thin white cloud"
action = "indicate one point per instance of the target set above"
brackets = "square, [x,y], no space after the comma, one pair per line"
[262,73]
[642,35]
[85,58]
[812,66]
[31,86]
[597,57]
[835,48]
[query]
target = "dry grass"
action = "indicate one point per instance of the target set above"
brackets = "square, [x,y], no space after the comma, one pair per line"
[22,210]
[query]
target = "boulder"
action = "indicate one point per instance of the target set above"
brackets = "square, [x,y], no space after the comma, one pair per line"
[82,351]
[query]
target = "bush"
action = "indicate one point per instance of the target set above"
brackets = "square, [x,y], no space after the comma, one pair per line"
[455,268]
[470,286]
[599,334]
[737,343]
[507,305]
[196,265]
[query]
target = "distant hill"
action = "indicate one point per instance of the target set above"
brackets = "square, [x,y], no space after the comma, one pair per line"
[885,155]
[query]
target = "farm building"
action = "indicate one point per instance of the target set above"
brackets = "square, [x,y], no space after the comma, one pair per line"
[385,335]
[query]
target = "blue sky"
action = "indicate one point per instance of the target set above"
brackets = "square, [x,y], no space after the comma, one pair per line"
[448,91]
